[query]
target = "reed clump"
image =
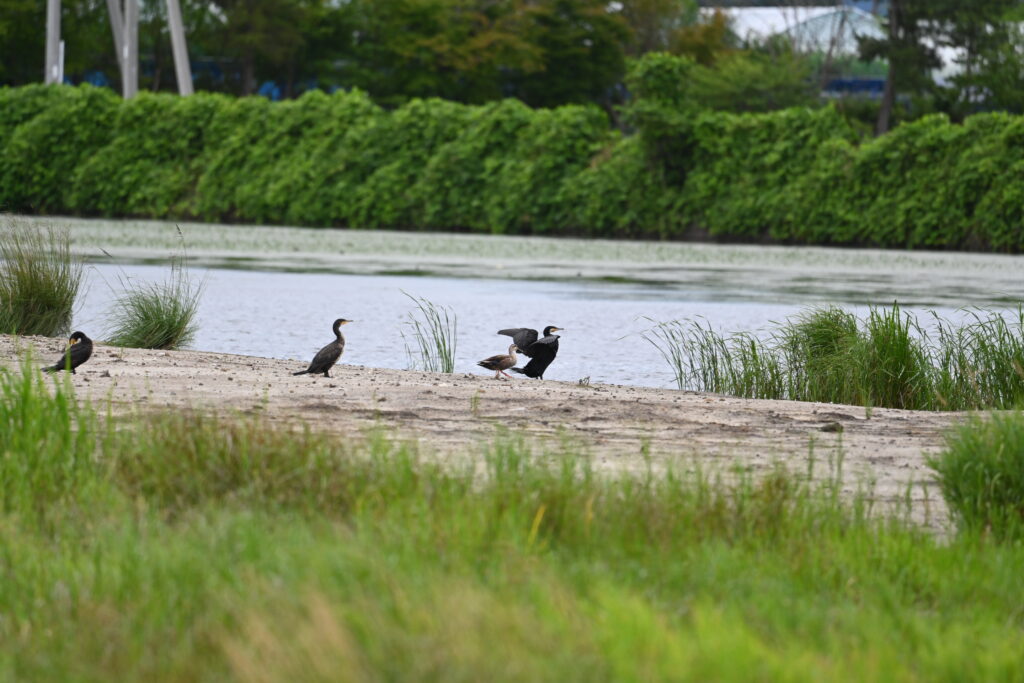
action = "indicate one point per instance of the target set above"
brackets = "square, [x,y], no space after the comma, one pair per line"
[887,359]
[39,279]
[981,475]
[433,330]
[157,315]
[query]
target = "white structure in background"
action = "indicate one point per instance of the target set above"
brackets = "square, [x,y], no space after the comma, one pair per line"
[812,29]
[124,24]
[829,30]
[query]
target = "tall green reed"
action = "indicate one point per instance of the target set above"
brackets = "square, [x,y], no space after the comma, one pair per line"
[39,279]
[433,330]
[157,315]
[887,359]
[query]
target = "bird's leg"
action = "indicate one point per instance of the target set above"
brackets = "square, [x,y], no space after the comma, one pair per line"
[506,374]
[327,373]
[497,374]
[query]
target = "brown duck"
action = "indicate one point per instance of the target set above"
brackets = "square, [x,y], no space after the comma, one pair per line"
[501,362]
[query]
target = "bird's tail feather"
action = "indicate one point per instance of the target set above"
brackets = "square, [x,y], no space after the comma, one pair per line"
[300,372]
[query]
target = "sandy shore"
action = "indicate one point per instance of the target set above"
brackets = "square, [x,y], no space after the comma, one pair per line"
[457,415]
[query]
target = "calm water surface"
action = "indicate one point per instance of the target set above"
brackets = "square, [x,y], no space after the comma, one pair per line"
[288,314]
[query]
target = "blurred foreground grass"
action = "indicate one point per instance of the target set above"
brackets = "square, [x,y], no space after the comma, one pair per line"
[183,547]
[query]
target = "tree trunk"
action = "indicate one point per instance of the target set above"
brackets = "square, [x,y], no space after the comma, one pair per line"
[889,93]
[888,97]
[248,74]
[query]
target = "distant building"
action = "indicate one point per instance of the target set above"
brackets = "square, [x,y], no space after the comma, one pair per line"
[811,29]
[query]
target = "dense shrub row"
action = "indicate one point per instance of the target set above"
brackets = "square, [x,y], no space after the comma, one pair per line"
[796,175]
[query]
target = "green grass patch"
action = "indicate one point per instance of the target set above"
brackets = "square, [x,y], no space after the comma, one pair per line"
[887,359]
[39,279]
[981,474]
[157,315]
[186,547]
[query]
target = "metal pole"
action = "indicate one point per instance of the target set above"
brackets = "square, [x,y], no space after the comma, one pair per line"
[52,42]
[182,69]
[117,28]
[130,51]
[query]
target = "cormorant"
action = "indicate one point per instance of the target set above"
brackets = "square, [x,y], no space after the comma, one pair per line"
[542,351]
[78,351]
[326,357]
[500,363]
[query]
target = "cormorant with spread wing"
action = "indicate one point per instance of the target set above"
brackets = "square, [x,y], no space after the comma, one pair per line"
[326,357]
[79,350]
[541,351]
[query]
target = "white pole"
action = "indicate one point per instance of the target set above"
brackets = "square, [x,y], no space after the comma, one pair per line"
[52,42]
[117,28]
[130,50]
[60,62]
[182,68]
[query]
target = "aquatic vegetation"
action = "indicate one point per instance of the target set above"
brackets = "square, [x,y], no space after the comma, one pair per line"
[434,333]
[39,279]
[887,359]
[157,315]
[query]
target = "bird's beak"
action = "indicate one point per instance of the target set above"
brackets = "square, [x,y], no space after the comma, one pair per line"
[348,321]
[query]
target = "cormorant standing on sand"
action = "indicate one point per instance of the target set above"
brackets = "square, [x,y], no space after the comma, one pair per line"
[326,357]
[78,351]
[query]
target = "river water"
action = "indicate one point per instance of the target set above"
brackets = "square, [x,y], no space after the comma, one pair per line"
[274,291]
[264,306]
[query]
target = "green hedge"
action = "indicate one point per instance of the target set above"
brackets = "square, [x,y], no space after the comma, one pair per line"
[797,175]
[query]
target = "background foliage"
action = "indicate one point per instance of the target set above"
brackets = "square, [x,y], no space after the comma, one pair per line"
[793,175]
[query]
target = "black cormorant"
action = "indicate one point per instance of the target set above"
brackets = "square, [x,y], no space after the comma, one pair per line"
[78,351]
[326,357]
[501,362]
[541,351]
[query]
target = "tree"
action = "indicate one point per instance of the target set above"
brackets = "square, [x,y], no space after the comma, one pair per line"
[654,23]
[910,58]
[989,60]
[257,32]
[582,46]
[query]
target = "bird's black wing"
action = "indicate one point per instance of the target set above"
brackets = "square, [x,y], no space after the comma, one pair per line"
[524,338]
[76,354]
[326,357]
[542,352]
[80,353]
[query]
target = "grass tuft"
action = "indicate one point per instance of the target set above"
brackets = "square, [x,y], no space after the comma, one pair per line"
[981,475]
[39,280]
[157,316]
[827,355]
[434,331]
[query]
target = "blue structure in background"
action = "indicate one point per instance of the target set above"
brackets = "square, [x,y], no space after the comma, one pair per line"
[270,90]
[871,88]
